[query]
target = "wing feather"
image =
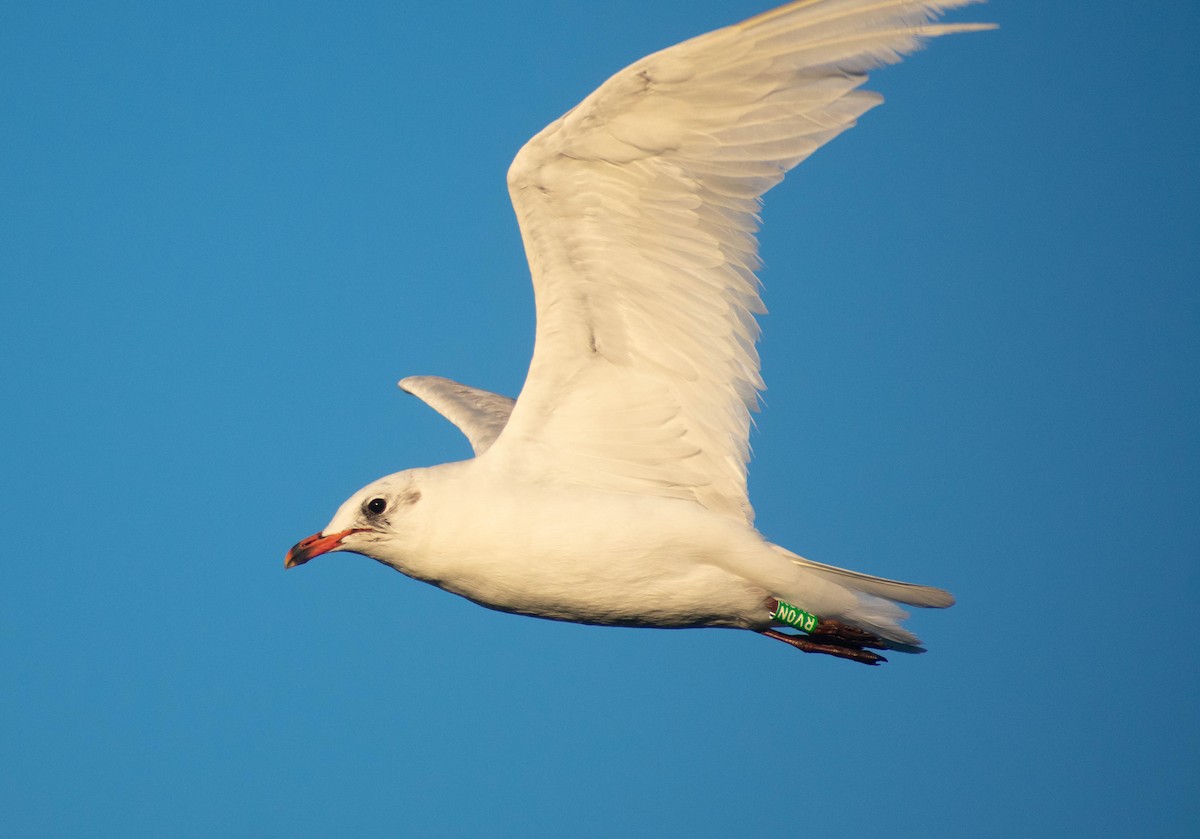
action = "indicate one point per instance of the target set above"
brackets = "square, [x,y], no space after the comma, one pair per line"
[638,209]
[479,414]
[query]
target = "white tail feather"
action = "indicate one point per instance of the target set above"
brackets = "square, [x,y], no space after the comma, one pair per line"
[876,610]
[883,617]
[910,593]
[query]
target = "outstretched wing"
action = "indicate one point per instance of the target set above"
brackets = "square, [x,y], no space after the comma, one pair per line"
[638,212]
[479,414]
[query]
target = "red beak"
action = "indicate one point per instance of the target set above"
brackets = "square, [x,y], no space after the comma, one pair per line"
[315,545]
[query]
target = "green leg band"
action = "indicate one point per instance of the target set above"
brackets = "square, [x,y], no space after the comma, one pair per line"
[794,616]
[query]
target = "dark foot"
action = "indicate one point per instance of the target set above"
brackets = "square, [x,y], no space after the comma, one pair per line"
[843,634]
[831,643]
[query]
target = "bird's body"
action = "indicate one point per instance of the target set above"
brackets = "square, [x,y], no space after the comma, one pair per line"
[673,563]
[613,491]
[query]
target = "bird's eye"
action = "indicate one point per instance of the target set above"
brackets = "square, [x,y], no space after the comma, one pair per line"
[376,506]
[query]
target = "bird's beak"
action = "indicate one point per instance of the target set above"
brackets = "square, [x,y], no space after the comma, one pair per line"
[315,545]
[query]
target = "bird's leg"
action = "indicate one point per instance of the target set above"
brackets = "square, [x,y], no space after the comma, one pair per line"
[824,635]
[836,632]
[830,643]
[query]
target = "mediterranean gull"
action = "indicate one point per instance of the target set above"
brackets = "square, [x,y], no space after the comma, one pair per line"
[613,491]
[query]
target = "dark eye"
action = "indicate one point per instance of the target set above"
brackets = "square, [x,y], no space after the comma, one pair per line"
[376,506]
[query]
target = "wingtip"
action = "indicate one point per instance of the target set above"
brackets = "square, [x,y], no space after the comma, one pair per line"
[944,601]
[955,28]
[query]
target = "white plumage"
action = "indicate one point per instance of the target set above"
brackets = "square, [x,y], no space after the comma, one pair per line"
[479,414]
[614,490]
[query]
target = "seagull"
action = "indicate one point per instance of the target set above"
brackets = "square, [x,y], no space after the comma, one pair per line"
[613,491]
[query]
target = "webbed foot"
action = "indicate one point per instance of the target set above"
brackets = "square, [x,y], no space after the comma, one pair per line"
[835,639]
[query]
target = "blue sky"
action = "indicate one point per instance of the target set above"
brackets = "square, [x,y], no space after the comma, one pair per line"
[229,228]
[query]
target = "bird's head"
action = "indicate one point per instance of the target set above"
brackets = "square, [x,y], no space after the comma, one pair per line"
[371,522]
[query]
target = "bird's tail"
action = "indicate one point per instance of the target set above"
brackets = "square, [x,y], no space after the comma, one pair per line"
[876,610]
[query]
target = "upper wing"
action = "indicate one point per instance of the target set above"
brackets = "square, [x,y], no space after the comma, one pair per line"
[638,212]
[479,414]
